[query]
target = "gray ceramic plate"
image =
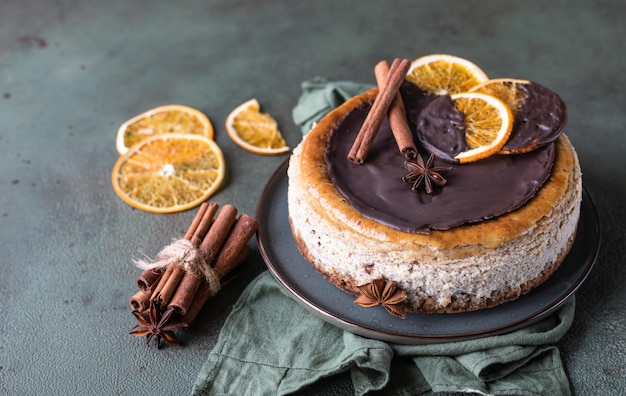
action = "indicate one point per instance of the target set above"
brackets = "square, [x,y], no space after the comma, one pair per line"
[324,300]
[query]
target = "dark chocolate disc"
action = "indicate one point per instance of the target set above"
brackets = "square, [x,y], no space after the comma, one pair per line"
[539,120]
[440,129]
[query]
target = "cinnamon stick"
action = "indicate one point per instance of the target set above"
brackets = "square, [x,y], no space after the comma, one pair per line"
[204,224]
[187,289]
[140,301]
[211,244]
[162,281]
[204,292]
[167,287]
[170,286]
[218,232]
[377,113]
[196,220]
[189,282]
[397,115]
[238,238]
[148,280]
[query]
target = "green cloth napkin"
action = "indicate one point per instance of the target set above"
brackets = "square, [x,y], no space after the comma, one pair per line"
[319,96]
[270,345]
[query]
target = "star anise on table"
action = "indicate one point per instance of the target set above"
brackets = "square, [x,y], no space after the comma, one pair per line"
[384,293]
[154,322]
[425,173]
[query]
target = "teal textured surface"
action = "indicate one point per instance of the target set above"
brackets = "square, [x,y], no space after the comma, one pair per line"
[72,71]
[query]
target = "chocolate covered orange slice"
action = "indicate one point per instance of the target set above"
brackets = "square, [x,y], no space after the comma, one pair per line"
[464,127]
[539,114]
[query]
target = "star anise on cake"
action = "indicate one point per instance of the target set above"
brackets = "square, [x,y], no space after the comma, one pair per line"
[384,293]
[154,322]
[424,173]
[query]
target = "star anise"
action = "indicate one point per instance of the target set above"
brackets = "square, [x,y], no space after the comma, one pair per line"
[424,173]
[154,322]
[384,293]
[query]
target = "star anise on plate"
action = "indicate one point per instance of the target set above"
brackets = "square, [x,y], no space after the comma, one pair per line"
[154,322]
[384,293]
[425,173]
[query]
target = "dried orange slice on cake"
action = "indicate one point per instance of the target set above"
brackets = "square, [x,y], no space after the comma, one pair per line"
[465,127]
[163,119]
[255,131]
[169,173]
[539,114]
[443,74]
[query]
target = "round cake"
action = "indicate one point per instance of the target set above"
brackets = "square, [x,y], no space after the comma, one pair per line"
[497,229]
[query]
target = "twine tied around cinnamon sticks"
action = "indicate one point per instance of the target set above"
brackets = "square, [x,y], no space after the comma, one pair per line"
[186,273]
[389,103]
[183,253]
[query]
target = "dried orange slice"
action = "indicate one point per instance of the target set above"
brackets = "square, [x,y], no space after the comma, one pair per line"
[509,90]
[169,172]
[488,124]
[539,114]
[255,131]
[444,74]
[163,119]
[473,125]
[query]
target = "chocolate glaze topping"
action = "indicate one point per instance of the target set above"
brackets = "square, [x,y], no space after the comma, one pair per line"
[441,129]
[475,192]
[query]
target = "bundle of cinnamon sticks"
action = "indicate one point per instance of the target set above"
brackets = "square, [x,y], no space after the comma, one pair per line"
[389,103]
[211,248]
